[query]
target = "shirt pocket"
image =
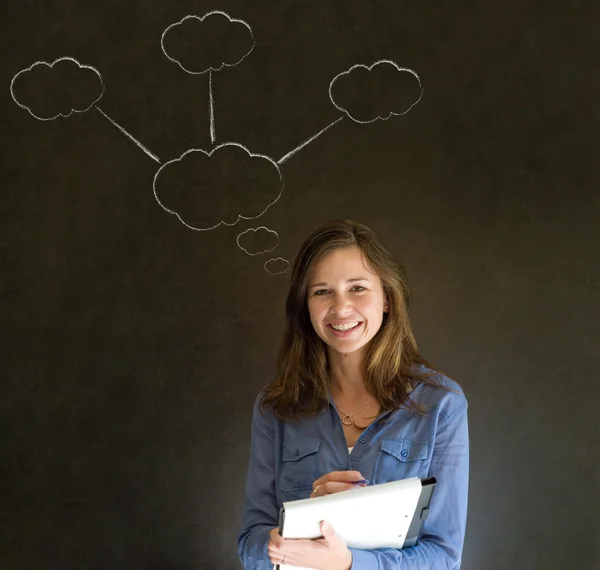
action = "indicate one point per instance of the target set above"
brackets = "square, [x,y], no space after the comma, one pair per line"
[401,459]
[299,465]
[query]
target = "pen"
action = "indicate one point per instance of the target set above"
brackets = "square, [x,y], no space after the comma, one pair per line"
[360,482]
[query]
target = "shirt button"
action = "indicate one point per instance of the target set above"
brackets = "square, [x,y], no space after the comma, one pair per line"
[297,452]
[404,453]
[363,440]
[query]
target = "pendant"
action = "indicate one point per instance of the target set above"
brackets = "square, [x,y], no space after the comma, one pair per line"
[347,420]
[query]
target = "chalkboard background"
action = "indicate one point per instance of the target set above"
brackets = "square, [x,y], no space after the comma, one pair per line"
[133,346]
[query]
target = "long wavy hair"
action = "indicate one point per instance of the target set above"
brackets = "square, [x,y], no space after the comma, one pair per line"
[392,362]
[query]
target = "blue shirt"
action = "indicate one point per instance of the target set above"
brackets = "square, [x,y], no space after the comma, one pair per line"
[287,456]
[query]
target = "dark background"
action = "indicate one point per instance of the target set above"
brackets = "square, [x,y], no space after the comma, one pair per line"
[133,347]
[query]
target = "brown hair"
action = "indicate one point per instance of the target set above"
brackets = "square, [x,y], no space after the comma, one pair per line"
[301,384]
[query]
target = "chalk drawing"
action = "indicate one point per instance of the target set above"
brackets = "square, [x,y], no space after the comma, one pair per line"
[307,141]
[211,109]
[42,79]
[200,44]
[256,241]
[362,79]
[277,266]
[129,136]
[206,189]
[367,91]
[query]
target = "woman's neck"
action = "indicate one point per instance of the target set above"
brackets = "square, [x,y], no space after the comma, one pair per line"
[346,375]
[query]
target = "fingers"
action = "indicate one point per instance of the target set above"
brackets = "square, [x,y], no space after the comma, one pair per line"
[276,539]
[333,487]
[335,482]
[339,476]
[274,547]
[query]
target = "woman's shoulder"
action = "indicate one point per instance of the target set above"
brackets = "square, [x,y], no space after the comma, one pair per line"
[443,393]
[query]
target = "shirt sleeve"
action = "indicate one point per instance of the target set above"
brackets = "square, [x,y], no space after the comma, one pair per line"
[441,543]
[261,513]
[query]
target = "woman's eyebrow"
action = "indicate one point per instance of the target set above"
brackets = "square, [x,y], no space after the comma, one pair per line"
[353,280]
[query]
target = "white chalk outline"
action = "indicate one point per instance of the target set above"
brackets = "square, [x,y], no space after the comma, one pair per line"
[129,136]
[51,65]
[211,104]
[255,230]
[277,259]
[209,153]
[211,108]
[369,68]
[202,18]
[287,156]
[307,141]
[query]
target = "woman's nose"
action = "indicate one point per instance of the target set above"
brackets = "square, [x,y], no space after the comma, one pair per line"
[340,305]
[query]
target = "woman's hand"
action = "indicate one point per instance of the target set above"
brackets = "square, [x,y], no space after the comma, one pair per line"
[337,481]
[327,553]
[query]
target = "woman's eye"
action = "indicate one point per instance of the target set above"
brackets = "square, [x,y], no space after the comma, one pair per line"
[358,288]
[320,292]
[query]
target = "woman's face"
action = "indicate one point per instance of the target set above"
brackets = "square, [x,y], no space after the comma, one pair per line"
[345,300]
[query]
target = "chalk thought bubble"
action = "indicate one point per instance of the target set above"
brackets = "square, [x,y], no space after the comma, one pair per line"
[370,92]
[255,241]
[212,41]
[207,189]
[56,89]
[277,266]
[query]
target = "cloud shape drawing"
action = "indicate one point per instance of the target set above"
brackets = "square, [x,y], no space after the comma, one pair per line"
[212,41]
[229,183]
[56,89]
[277,266]
[255,241]
[378,91]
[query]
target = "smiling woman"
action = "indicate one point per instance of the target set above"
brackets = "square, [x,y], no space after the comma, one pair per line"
[353,401]
[346,313]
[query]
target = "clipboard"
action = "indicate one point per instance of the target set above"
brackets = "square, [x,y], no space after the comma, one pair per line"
[388,515]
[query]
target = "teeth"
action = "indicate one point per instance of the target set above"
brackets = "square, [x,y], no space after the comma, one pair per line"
[344,327]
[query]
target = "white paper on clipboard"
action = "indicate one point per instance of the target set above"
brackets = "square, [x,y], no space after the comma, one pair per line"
[377,516]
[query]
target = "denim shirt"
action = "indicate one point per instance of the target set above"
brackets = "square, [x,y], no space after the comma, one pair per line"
[287,456]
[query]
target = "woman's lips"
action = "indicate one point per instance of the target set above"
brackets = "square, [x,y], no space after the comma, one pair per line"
[344,333]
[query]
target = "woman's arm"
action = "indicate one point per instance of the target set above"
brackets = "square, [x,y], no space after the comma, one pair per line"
[441,544]
[261,512]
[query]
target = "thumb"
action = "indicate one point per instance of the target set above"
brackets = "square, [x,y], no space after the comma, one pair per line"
[327,531]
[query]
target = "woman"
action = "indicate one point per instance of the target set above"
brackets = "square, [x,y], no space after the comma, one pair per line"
[353,399]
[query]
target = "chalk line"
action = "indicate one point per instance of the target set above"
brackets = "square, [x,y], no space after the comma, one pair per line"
[130,137]
[307,141]
[211,109]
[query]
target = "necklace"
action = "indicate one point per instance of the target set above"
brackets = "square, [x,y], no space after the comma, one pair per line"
[347,418]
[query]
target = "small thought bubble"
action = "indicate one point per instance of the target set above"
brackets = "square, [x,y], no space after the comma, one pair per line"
[56,89]
[207,189]
[198,44]
[370,92]
[277,266]
[255,241]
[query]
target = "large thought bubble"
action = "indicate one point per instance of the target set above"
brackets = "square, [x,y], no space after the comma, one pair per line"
[212,41]
[370,92]
[56,89]
[207,189]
